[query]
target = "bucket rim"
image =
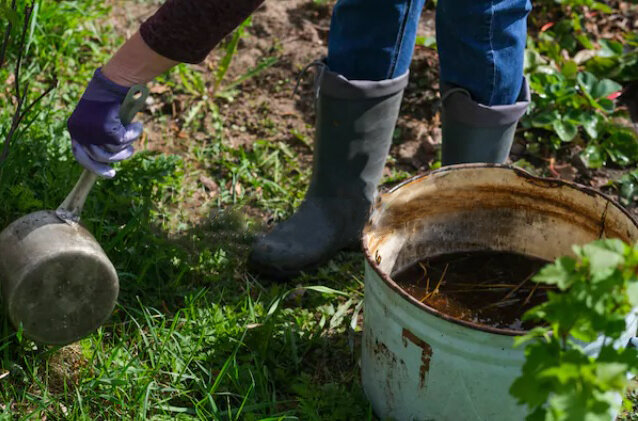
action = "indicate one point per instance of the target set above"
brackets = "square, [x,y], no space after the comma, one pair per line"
[549,182]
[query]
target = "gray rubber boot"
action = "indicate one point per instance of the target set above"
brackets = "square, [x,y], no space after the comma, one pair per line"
[354,127]
[472,132]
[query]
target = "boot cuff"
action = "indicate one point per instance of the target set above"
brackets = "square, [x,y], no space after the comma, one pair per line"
[337,86]
[458,105]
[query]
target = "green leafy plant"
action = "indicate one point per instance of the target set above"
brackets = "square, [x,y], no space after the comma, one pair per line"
[615,59]
[565,377]
[575,78]
[571,103]
[628,187]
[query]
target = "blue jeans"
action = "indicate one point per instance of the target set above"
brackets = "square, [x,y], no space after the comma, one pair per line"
[481,43]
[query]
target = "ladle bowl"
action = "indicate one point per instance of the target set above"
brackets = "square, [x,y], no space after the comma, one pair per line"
[58,285]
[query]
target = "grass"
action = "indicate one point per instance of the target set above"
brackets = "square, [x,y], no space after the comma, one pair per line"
[195,334]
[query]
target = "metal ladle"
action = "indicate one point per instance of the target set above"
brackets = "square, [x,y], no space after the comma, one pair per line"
[58,285]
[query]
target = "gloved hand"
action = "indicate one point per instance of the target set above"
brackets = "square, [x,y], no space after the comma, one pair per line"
[98,137]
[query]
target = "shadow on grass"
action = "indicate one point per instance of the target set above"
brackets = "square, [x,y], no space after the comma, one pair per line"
[194,332]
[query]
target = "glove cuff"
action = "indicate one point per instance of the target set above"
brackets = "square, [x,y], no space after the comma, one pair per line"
[103,89]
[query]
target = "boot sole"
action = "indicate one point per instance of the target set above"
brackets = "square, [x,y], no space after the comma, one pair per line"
[284,275]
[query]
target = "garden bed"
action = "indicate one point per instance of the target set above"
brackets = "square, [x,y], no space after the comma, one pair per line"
[195,333]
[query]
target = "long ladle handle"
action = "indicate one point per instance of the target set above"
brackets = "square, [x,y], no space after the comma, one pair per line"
[71,207]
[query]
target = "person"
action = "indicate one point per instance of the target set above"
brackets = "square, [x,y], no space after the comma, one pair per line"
[359,91]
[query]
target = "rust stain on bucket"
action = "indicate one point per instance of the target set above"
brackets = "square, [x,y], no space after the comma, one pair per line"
[465,208]
[426,353]
[394,368]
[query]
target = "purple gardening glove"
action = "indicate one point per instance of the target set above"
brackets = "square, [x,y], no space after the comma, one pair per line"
[98,137]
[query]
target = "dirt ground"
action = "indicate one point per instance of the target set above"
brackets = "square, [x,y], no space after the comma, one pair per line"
[295,32]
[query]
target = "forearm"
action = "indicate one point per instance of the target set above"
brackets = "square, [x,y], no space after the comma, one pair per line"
[187,30]
[135,62]
[180,31]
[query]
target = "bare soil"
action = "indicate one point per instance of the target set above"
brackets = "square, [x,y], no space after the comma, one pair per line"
[265,108]
[296,33]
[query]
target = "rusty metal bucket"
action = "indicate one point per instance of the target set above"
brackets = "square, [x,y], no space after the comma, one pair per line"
[420,364]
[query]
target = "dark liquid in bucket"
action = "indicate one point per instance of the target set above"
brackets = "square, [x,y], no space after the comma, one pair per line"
[488,288]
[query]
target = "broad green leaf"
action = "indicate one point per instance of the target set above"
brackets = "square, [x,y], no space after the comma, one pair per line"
[628,187]
[612,375]
[590,122]
[568,42]
[544,118]
[530,388]
[610,48]
[592,156]
[569,406]
[612,244]
[558,273]
[602,258]
[604,87]
[563,373]
[602,65]
[587,81]
[569,69]
[621,145]
[565,130]
[606,104]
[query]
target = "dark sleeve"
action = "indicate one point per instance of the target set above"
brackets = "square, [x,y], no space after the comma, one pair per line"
[187,30]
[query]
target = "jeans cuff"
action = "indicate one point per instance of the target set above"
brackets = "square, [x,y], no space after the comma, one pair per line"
[458,105]
[337,86]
